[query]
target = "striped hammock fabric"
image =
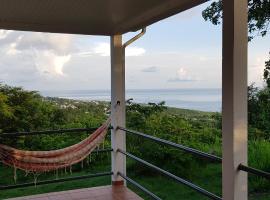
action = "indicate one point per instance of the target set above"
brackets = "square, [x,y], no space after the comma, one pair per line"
[44,161]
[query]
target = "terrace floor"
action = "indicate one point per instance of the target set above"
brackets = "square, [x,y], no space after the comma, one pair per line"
[94,193]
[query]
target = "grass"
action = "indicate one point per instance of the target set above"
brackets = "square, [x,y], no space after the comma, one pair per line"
[6,178]
[209,178]
[168,189]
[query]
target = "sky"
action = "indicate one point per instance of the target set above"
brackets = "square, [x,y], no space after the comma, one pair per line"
[182,51]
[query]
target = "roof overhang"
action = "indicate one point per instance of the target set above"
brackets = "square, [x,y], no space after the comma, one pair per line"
[91,17]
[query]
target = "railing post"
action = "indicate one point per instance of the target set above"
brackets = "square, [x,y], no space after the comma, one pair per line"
[234,99]
[118,112]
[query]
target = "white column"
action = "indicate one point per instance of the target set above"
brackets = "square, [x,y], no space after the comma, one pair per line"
[234,99]
[118,112]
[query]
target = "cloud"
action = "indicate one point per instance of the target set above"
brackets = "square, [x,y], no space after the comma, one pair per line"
[150,69]
[58,43]
[103,49]
[48,53]
[183,76]
[50,64]
[134,51]
[17,70]
[256,67]
[181,80]
[4,34]
[45,62]
[12,50]
[59,62]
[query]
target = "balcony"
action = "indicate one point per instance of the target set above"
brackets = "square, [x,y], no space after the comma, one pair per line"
[95,193]
[119,17]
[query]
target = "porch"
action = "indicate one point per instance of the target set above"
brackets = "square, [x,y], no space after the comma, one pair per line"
[94,193]
[120,17]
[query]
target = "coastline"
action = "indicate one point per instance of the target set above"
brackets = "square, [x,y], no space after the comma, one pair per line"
[208,100]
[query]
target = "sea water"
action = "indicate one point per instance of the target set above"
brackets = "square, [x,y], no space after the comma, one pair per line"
[195,99]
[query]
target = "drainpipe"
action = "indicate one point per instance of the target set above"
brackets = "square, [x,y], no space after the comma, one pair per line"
[136,37]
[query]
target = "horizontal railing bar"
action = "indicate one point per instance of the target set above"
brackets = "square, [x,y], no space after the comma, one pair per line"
[48,132]
[176,178]
[139,186]
[55,181]
[102,150]
[178,146]
[254,171]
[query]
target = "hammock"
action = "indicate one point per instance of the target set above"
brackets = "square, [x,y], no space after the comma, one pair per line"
[44,161]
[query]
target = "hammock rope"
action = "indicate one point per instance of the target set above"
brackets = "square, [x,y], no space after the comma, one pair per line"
[43,161]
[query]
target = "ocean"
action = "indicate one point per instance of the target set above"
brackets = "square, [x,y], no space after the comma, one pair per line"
[195,99]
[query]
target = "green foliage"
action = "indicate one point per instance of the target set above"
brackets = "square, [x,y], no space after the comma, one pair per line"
[200,131]
[138,113]
[259,112]
[154,119]
[5,109]
[26,110]
[23,110]
[259,154]
[258,16]
[266,73]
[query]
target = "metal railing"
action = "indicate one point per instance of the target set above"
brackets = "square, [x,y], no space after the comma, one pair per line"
[47,132]
[172,144]
[176,178]
[60,180]
[139,186]
[162,171]
[254,171]
[166,173]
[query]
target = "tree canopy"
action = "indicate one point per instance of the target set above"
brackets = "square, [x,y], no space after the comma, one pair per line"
[25,110]
[266,73]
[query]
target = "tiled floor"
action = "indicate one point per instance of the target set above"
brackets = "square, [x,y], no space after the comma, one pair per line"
[94,193]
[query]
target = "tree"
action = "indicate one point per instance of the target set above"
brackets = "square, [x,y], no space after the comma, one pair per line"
[138,113]
[22,110]
[266,73]
[258,16]
[5,109]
